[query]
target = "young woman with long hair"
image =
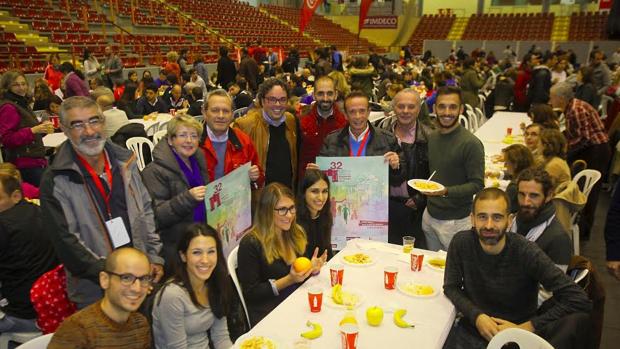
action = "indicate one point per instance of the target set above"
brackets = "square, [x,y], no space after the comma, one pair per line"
[314,213]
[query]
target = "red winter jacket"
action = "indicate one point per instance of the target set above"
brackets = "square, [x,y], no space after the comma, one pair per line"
[239,150]
[314,129]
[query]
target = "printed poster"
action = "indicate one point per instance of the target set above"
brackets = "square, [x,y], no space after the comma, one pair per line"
[359,195]
[228,201]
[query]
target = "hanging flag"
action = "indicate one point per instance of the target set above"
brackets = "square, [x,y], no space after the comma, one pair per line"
[364,7]
[307,11]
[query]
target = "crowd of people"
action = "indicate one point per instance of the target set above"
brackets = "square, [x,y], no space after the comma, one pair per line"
[121,233]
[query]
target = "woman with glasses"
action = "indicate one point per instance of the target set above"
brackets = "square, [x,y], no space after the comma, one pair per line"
[267,252]
[315,216]
[20,131]
[195,299]
[176,180]
[567,197]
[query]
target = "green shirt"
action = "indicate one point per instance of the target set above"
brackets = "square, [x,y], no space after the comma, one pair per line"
[458,158]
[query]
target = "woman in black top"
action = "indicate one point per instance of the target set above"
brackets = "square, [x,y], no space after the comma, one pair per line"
[314,212]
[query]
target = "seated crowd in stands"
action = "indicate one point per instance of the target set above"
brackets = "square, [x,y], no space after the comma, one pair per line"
[120,232]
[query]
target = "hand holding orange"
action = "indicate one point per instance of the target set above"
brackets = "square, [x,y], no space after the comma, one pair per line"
[302,264]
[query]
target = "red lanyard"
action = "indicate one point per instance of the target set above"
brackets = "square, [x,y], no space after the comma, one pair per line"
[97,180]
[362,145]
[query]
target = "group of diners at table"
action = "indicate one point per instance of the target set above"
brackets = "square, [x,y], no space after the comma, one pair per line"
[119,232]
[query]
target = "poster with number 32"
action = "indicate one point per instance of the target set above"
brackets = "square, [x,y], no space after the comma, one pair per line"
[359,197]
[228,202]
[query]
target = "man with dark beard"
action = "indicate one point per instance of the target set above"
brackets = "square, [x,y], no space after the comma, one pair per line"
[492,278]
[93,202]
[457,156]
[536,216]
[323,118]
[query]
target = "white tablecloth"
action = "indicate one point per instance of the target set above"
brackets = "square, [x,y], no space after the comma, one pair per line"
[433,317]
[53,140]
[161,117]
[493,131]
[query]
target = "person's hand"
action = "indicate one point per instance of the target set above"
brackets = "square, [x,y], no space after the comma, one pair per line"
[411,203]
[392,159]
[198,193]
[107,71]
[312,166]
[298,277]
[157,270]
[43,128]
[186,104]
[254,173]
[614,268]
[504,324]
[487,327]
[318,261]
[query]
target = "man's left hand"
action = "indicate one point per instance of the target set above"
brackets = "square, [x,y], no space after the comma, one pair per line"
[392,159]
[157,270]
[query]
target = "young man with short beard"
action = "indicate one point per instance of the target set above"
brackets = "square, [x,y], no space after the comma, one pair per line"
[492,278]
[536,219]
[93,201]
[456,157]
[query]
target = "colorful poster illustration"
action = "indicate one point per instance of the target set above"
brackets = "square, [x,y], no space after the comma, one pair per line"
[359,197]
[228,201]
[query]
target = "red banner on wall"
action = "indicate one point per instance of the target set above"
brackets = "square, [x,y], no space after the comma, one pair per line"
[364,7]
[605,4]
[381,22]
[307,11]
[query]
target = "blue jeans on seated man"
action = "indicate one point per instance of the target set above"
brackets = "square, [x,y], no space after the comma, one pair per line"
[14,324]
[569,332]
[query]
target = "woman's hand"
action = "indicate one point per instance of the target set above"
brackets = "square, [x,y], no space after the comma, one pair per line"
[198,193]
[254,173]
[318,261]
[299,277]
[43,128]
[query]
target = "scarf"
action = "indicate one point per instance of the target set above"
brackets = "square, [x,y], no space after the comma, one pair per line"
[533,229]
[194,179]
[21,101]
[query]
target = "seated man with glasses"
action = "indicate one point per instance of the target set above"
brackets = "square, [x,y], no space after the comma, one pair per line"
[113,321]
[93,201]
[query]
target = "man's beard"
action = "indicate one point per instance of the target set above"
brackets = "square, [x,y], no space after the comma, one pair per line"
[447,126]
[490,240]
[87,150]
[325,107]
[529,213]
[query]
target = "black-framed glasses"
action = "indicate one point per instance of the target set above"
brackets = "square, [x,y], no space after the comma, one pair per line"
[282,211]
[93,122]
[274,100]
[129,279]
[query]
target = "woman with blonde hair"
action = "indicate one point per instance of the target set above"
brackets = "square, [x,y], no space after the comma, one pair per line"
[172,66]
[267,252]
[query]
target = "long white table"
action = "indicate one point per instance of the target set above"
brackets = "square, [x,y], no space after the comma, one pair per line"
[433,317]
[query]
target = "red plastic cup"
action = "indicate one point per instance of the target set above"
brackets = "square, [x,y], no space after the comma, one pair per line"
[348,335]
[389,277]
[509,131]
[416,261]
[315,299]
[173,112]
[336,272]
[55,121]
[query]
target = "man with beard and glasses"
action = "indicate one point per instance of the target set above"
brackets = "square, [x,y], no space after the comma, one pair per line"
[93,201]
[536,216]
[112,322]
[323,118]
[456,157]
[492,279]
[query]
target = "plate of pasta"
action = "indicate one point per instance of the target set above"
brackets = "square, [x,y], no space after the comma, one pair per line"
[256,341]
[425,186]
[358,259]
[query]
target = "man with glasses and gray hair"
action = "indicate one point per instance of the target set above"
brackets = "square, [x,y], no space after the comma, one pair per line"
[93,201]
[112,321]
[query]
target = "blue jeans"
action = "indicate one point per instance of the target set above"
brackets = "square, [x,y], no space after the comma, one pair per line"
[14,324]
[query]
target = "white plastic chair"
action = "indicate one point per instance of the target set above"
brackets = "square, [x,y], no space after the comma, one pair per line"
[473,120]
[590,178]
[525,339]
[17,337]
[159,135]
[232,269]
[163,126]
[240,112]
[136,144]
[463,120]
[481,117]
[37,343]
[152,129]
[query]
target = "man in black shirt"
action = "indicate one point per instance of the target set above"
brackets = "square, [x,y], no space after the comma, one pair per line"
[26,253]
[150,102]
[492,278]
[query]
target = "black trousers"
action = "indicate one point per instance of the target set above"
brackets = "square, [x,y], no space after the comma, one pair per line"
[403,221]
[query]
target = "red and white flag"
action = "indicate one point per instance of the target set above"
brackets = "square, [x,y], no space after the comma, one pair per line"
[364,7]
[307,11]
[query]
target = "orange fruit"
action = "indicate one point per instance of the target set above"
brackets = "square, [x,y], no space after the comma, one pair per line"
[302,264]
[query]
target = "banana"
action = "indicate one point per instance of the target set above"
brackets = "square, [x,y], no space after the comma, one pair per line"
[337,294]
[315,332]
[398,319]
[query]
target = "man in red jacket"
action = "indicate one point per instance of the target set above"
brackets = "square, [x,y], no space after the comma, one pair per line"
[323,118]
[226,148]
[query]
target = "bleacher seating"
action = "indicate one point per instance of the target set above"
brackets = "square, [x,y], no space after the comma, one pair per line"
[509,26]
[588,26]
[431,27]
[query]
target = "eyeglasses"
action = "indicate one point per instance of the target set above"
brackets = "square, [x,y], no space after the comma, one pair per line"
[93,122]
[129,279]
[193,136]
[274,100]
[283,211]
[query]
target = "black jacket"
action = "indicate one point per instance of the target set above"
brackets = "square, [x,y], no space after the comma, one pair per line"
[226,72]
[539,86]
